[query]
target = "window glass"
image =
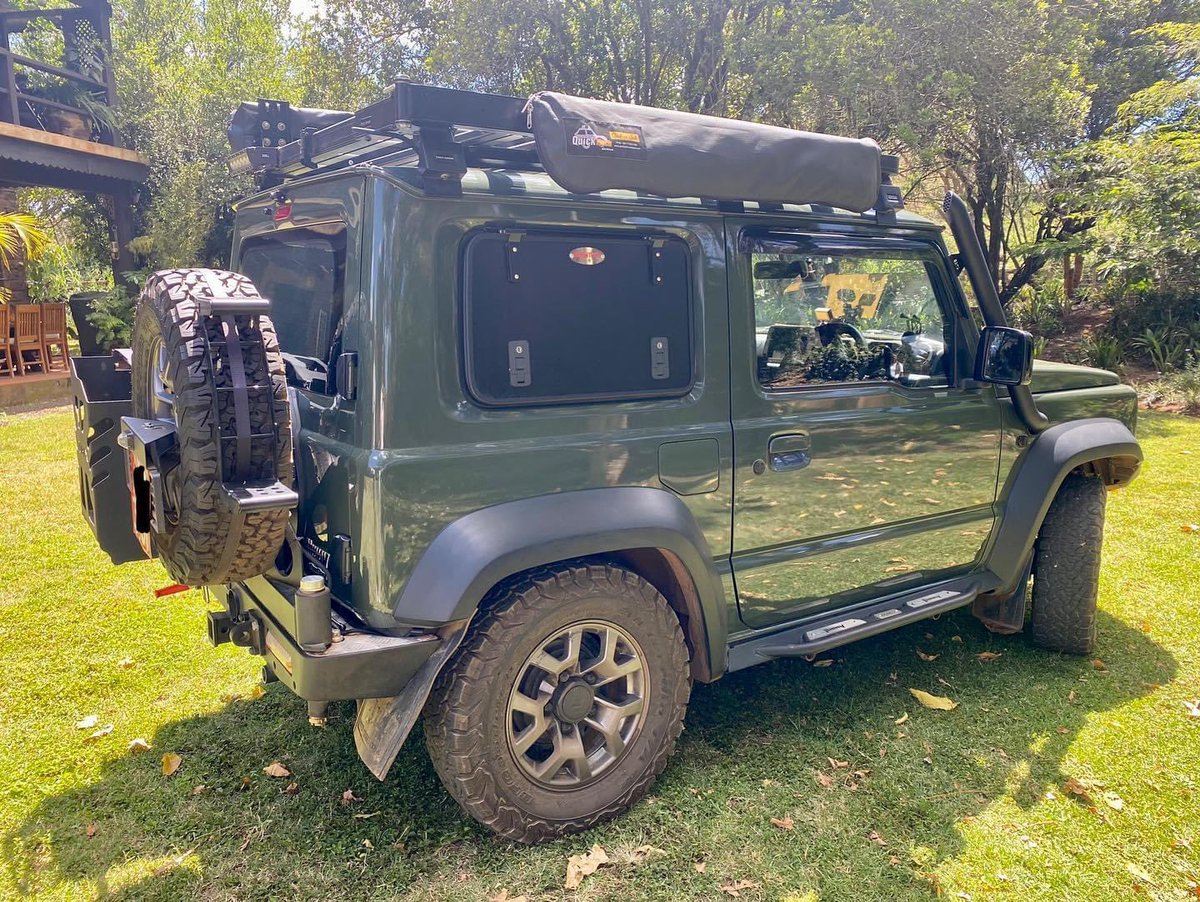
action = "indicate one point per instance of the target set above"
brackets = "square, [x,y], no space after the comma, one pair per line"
[554,318]
[847,316]
[302,273]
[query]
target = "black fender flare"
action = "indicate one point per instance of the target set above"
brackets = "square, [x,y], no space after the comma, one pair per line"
[1035,479]
[474,553]
[471,555]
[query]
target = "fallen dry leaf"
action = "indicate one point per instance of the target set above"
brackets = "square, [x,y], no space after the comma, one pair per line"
[700,866]
[199,789]
[368,845]
[257,692]
[898,568]
[734,888]
[824,779]
[641,853]
[1099,665]
[824,662]
[291,789]
[100,733]
[1190,527]
[581,866]
[1138,872]
[1193,708]
[87,723]
[876,838]
[835,763]
[90,831]
[903,718]
[126,663]
[362,817]
[138,745]
[937,702]
[783,823]
[1114,801]
[170,763]
[1078,788]
[988,656]
[503,896]
[924,657]
[244,785]
[275,769]
[348,796]
[1062,730]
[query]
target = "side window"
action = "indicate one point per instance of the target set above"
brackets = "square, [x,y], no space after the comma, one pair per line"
[847,316]
[564,317]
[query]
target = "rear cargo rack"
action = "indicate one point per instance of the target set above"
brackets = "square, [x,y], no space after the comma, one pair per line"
[442,131]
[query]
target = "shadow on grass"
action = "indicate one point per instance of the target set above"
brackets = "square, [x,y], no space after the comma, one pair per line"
[1017,716]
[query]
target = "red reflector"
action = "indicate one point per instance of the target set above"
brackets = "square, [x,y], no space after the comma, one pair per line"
[282,212]
[170,590]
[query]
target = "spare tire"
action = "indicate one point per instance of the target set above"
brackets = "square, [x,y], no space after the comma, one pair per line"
[184,367]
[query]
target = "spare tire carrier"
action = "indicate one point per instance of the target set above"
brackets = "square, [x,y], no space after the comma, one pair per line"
[209,445]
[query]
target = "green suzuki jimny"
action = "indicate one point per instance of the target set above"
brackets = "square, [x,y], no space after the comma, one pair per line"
[521,415]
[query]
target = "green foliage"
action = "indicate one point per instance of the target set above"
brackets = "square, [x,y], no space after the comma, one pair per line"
[1103,351]
[1042,309]
[1181,387]
[20,234]
[112,315]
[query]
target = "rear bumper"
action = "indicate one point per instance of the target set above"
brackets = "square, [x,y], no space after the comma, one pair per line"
[360,665]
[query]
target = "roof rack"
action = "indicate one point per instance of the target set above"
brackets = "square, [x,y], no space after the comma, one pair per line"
[443,131]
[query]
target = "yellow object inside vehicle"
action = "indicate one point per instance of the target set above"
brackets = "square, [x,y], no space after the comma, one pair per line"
[860,290]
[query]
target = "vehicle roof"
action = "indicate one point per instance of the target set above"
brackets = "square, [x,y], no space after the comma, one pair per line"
[502,183]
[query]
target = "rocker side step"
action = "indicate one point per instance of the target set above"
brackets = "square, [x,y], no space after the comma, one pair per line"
[846,626]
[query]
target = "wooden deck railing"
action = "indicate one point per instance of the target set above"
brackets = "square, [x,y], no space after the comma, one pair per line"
[81,84]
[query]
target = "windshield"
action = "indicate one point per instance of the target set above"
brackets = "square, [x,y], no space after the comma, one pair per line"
[302,273]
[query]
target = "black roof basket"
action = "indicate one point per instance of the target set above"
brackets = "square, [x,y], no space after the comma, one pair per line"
[443,131]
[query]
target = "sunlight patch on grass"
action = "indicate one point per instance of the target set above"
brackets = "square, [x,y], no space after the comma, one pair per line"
[968,801]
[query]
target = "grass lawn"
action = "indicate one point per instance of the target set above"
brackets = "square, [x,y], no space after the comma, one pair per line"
[875,797]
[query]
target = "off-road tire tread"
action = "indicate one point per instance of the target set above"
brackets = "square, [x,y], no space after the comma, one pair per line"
[452,727]
[1066,567]
[193,549]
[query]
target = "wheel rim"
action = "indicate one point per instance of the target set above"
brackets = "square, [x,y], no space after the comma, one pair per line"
[160,400]
[578,703]
[160,403]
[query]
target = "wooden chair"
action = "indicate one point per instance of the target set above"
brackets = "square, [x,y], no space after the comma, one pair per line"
[54,334]
[8,344]
[28,336]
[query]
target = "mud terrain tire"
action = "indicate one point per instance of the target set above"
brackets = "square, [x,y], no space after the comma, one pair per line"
[469,714]
[1066,567]
[196,542]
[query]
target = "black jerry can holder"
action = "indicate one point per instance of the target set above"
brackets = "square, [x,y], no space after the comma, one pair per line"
[102,396]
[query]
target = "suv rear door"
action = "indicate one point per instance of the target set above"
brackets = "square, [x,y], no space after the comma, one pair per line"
[865,459]
[300,247]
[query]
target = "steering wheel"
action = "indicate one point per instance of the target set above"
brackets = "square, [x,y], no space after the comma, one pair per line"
[830,331]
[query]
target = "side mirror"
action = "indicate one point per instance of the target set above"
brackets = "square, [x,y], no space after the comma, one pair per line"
[1005,356]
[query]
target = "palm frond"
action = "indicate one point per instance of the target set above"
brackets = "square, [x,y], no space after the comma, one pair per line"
[20,232]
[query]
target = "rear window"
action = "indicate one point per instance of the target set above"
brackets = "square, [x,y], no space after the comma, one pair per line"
[560,317]
[302,272]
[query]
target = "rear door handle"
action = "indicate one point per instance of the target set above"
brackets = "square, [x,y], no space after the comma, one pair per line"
[789,451]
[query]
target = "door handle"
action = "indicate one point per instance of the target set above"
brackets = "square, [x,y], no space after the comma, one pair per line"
[789,452]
